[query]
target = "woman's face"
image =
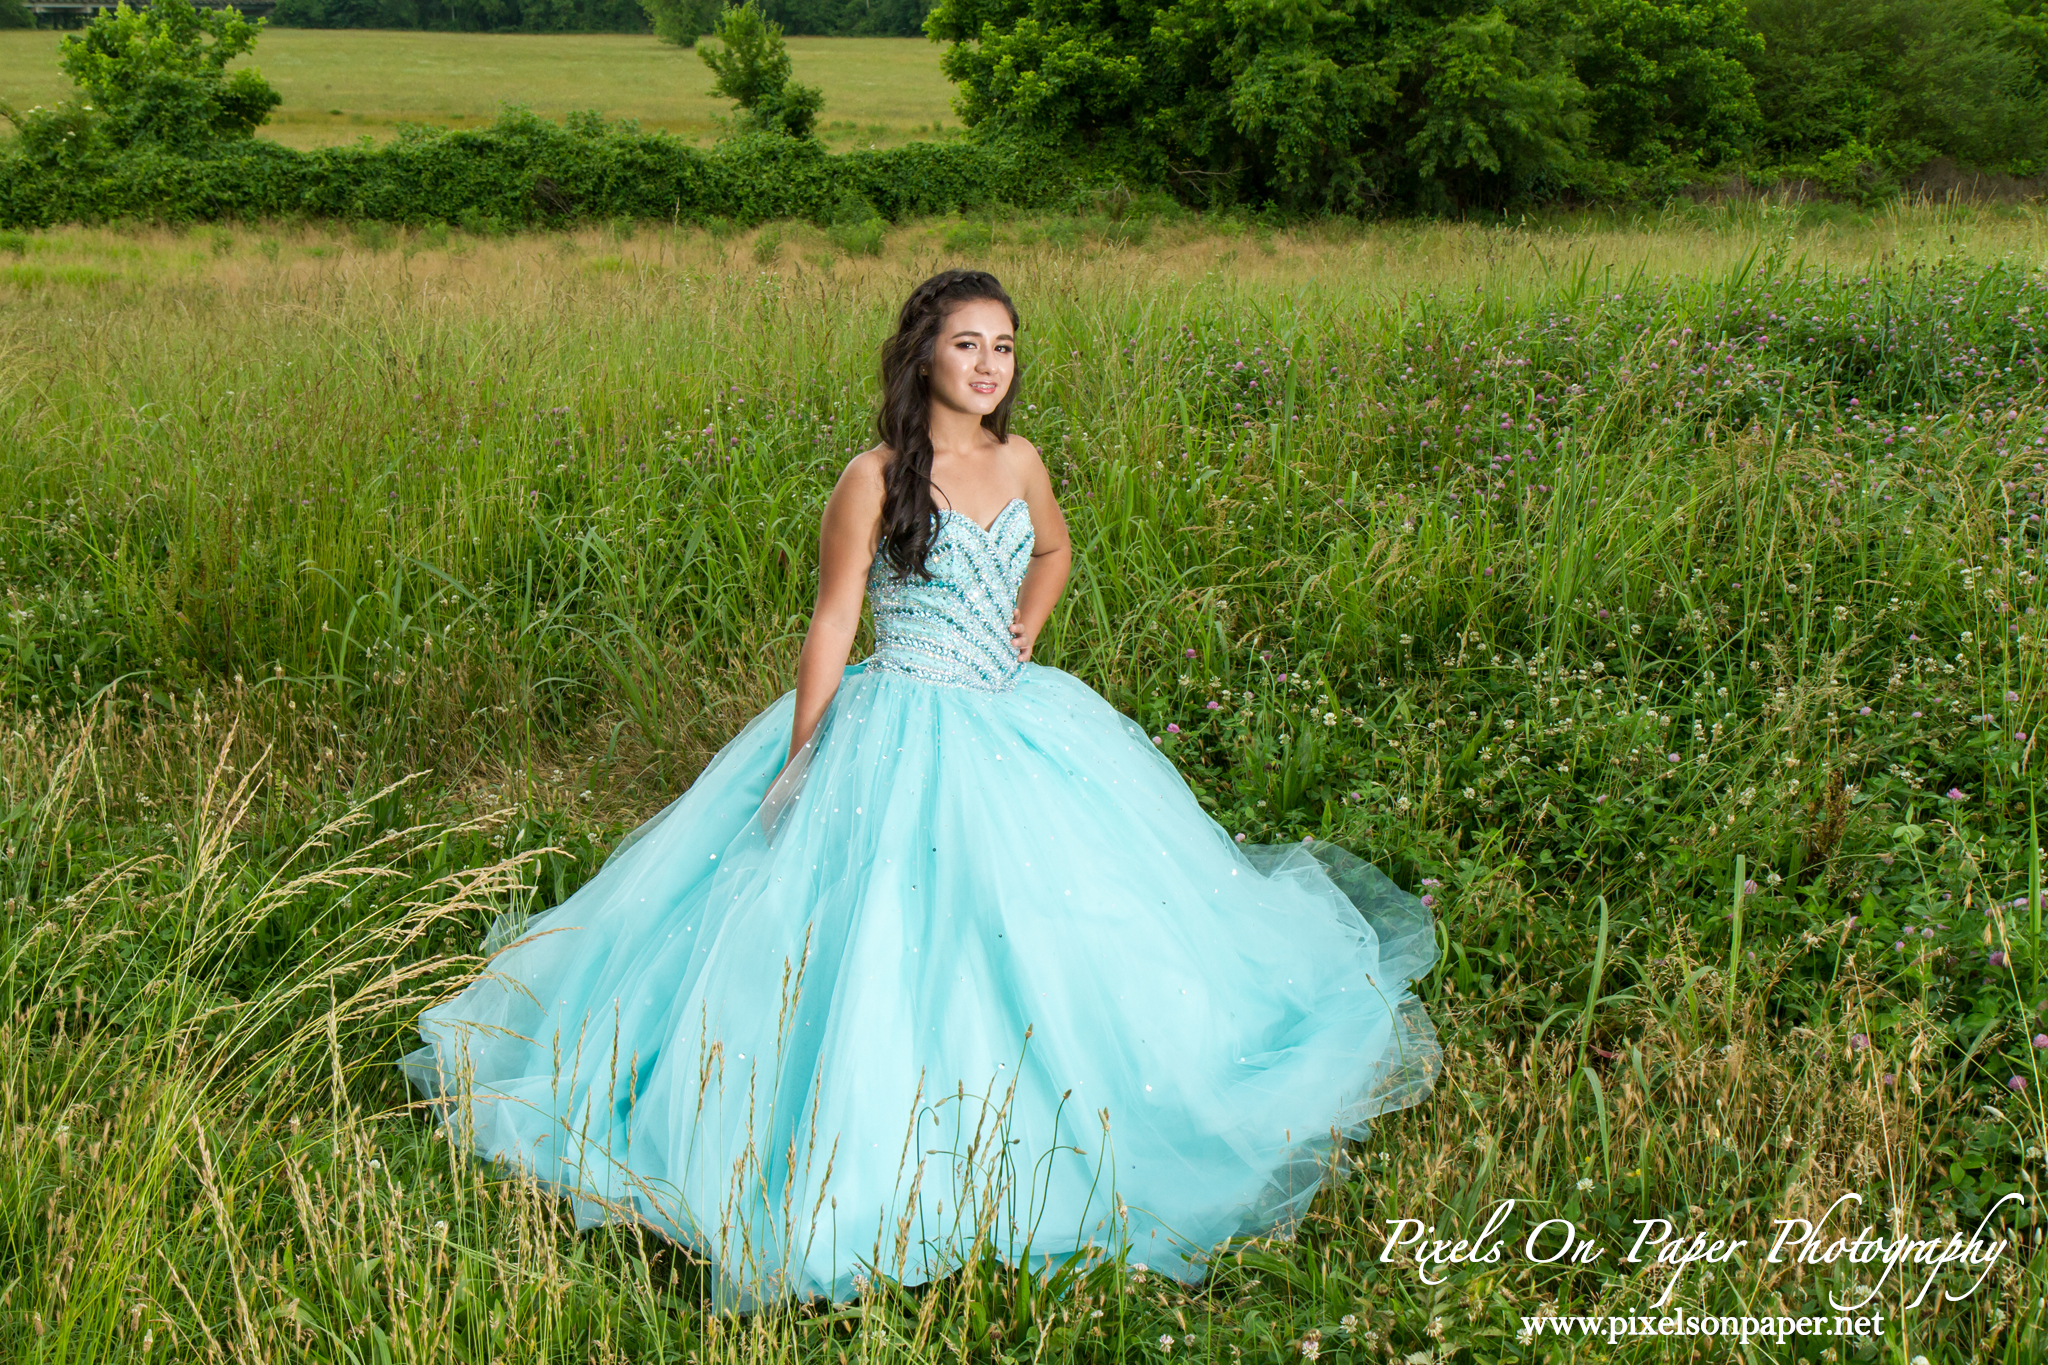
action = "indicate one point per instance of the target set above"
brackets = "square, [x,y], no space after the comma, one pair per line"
[975,358]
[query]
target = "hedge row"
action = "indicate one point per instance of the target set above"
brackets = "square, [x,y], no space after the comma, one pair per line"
[525,171]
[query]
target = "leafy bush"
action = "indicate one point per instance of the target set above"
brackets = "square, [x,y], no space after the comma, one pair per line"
[15,14]
[524,170]
[865,238]
[159,76]
[752,70]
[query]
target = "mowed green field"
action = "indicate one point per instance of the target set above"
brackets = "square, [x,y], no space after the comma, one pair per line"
[339,85]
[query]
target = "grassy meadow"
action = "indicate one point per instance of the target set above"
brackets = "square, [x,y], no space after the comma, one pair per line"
[1661,597]
[343,84]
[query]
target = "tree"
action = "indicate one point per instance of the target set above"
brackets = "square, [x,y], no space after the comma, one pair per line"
[681,22]
[1667,79]
[160,75]
[1312,104]
[752,70]
[15,14]
[1908,79]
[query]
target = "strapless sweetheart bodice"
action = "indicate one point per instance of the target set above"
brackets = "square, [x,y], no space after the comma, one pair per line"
[954,628]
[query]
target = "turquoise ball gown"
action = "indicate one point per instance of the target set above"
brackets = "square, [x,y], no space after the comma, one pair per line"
[975,974]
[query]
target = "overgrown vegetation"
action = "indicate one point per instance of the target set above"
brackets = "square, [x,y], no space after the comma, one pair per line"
[361,587]
[1432,106]
[1445,105]
[525,171]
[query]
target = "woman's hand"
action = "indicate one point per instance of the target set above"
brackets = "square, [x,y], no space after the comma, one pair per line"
[1020,638]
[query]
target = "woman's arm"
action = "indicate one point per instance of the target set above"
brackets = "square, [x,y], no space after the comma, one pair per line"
[846,549]
[1052,555]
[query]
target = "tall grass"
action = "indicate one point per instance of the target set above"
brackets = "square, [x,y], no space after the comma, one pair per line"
[1661,598]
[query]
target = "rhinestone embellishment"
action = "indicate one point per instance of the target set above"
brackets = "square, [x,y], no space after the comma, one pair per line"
[955,628]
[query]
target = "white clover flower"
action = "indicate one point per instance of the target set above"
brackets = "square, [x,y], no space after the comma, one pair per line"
[1585,1184]
[1166,1345]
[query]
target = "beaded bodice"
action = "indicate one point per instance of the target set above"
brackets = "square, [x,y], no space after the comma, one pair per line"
[954,627]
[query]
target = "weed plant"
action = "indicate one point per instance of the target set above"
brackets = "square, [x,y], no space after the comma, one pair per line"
[1662,600]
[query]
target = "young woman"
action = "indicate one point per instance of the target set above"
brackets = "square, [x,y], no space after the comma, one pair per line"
[940,953]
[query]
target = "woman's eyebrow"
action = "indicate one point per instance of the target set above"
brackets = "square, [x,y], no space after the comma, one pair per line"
[970,332]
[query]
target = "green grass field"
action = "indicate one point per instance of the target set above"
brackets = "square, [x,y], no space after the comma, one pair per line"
[1661,597]
[339,85]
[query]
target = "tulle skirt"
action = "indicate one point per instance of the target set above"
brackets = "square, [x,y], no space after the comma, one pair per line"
[979,975]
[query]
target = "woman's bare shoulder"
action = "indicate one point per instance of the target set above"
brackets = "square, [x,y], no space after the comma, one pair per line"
[1022,455]
[864,473]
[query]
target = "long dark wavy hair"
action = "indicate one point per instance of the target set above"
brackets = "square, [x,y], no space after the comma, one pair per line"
[909,513]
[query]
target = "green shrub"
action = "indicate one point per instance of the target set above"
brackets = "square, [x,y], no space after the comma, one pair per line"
[527,171]
[969,237]
[752,70]
[859,239]
[15,14]
[159,76]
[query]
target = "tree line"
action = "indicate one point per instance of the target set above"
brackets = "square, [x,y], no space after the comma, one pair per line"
[1444,105]
[682,20]
[1296,106]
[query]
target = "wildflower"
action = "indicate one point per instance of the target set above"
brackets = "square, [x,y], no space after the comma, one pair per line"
[1891,1078]
[1428,902]
[1997,958]
[1166,1345]
[2012,696]
[1240,838]
[2017,1085]
[1172,729]
[1749,887]
[1215,706]
[1585,1183]
[1672,757]
[1311,1346]
[1431,881]
[1188,654]
[1349,1322]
